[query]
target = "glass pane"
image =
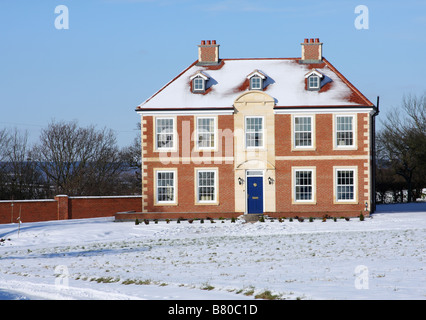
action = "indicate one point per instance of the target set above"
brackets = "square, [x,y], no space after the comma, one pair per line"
[164,133]
[303,185]
[206,186]
[254,132]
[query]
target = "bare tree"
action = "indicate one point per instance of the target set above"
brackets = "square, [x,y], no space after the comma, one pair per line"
[4,143]
[402,142]
[131,156]
[78,160]
[20,178]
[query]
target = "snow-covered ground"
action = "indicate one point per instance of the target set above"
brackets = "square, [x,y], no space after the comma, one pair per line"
[383,257]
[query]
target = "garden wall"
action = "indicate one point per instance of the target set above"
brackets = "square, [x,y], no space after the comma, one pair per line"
[63,207]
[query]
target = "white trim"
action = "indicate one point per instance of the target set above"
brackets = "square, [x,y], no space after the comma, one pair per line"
[293,132]
[175,186]
[174,141]
[246,188]
[257,73]
[216,186]
[355,184]
[203,85]
[324,110]
[215,133]
[201,75]
[185,112]
[318,82]
[336,157]
[263,133]
[315,72]
[260,83]
[313,200]
[354,145]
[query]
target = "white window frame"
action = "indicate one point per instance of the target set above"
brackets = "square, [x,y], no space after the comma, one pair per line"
[156,133]
[198,133]
[252,87]
[157,186]
[203,84]
[215,199]
[336,185]
[312,146]
[261,132]
[318,80]
[336,144]
[294,185]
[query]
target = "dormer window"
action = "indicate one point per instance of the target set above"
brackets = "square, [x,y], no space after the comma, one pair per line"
[199,81]
[198,84]
[256,83]
[313,80]
[256,80]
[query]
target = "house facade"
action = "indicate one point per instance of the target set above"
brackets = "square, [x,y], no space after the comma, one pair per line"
[277,136]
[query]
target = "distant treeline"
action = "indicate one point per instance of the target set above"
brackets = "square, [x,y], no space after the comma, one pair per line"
[67,159]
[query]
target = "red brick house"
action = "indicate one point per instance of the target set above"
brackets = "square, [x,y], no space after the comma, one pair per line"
[279,136]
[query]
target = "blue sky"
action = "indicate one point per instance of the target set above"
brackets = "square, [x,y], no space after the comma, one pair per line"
[117,53]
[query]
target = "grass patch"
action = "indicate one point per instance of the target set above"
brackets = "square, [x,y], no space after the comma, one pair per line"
[207,286]
[267,295]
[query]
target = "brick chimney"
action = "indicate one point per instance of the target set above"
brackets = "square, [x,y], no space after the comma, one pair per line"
[208,52]
[311,51]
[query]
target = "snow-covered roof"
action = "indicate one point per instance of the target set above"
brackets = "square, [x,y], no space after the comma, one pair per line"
[285,83]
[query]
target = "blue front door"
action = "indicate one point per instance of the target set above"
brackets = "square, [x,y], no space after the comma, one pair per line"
[255,195]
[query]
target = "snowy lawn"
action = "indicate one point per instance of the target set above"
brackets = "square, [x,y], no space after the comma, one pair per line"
[382,257]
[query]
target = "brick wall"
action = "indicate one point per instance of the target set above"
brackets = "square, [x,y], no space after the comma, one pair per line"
[64,207]
[28,210]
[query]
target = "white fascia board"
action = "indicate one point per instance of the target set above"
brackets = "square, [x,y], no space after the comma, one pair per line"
[316,72]
[257,73]
[324,110]
[200,74]
[160,112]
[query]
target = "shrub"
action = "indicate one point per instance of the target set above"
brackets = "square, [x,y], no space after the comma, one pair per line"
[262,218]
[267,295]
[167,220]
[191,220]
[311,219]
[232,220]
[361,217]
[137,221]
[201,220]
[146,221]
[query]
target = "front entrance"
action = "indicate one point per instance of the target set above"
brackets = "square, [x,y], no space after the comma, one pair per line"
[254,194]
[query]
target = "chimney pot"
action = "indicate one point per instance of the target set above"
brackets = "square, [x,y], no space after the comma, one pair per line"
[311,51]
[208,52]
